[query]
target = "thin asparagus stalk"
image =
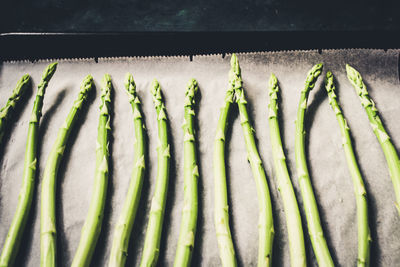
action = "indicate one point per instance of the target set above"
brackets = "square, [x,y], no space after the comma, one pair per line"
[285,187]
[16,230]
[364,237]
[265,221]
[156,217]
[191,174]
[318,241]
[48,233]
[123,229]
[6,111]
[221,212]
[389,150]
[92,226]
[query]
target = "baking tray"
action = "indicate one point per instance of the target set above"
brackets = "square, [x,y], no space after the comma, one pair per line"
[100,53]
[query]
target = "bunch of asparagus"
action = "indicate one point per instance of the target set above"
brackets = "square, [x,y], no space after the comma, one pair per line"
[186,241]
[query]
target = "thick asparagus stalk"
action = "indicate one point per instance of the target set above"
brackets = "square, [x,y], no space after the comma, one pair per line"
[265,221]
[15,233]
[191,174]
[5,112]
[156,217]
[364,237]
[285,187]
[48,245]
[318,241]
[221,212]
[377,126]
[123,229]
[92,226]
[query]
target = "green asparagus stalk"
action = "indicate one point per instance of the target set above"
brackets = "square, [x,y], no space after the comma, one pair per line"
[156,217]
[92,226]
[221,212]
[318,241]
[5,112]
[16,230]
[265,221]
[191,174]
[377,126]
[123,229]
[285,187]
[364,237]
[48,233]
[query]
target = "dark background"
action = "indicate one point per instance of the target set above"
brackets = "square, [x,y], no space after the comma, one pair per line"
[89,28]
[201,15]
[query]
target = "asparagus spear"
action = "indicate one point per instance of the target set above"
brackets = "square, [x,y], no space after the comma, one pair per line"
[12,101]
[16,230]
[265,221]
[154,227]
[364,237]
[285,187]
[48,197]
[123,229]
[92,226]
[318,241]
[377,126]
[221,213]
[191,173]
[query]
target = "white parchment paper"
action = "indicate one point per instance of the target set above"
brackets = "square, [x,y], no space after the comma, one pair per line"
[330,177]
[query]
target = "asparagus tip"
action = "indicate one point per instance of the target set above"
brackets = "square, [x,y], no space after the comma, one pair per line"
[49,71]
[273,81]
[130,83]
[87,84]
[351,72]
[235,79]
[329,86]
[128,78]
[235,68]
[155,86]
[26,78]
[192,85]
[22,84]
[106,79]
[312,76]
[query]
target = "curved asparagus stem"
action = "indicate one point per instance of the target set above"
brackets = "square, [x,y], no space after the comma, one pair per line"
[221,212]
[187,231]
[364,237]
[48,233]
[285,187]
[389,150]
[123,228]
[92,226]
[156,217]
[265,221]
[5,112]
[17,227]
[318,241]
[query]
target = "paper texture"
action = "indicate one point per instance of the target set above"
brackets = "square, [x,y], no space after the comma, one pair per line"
[329,174]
